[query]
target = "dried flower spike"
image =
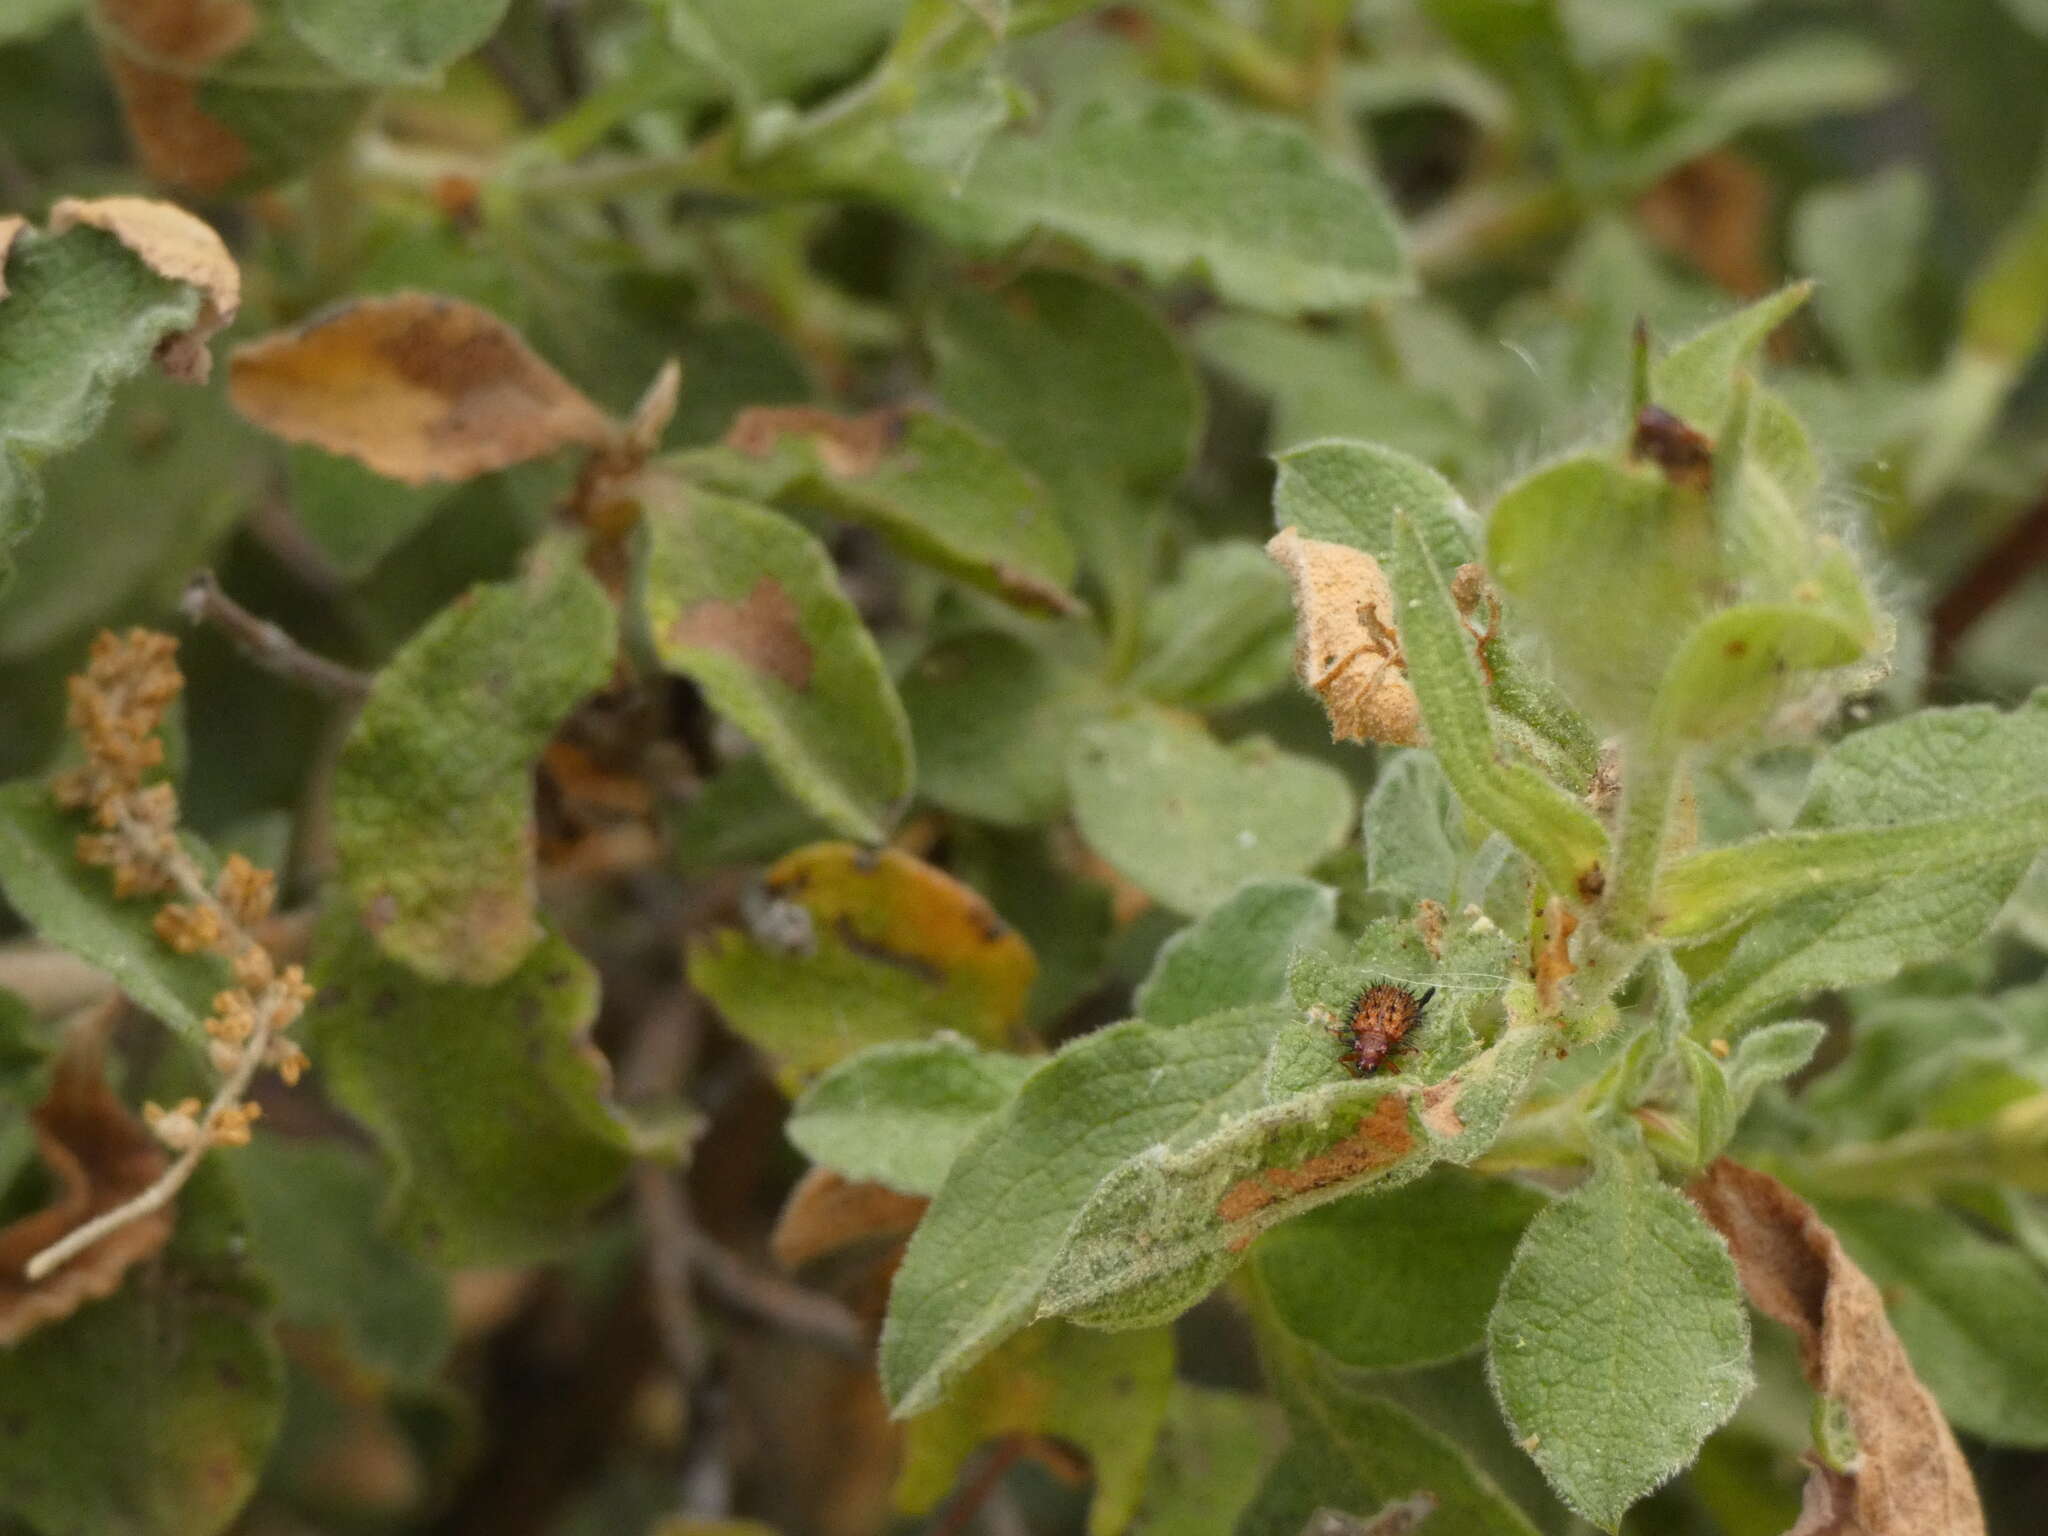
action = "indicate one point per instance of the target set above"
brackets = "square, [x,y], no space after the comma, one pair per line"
[117,706]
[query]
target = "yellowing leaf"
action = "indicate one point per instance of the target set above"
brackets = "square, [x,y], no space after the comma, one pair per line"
[418,387]
[855,947]
[1102,1392]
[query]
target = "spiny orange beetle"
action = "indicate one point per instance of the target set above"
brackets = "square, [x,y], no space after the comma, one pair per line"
[1375,1022]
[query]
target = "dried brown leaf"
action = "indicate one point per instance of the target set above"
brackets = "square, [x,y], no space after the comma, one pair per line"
[418,387]
[173,244]
[828,1212]
[11,224]
[1909,1478]
[1347,646]
[1715,212]
[98,1156]
[157,52]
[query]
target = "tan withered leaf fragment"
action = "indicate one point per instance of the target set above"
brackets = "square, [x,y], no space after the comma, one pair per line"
[1909,1478]
[158,52]
[98,1156]
[1347,648]
[173,244]
[418,387]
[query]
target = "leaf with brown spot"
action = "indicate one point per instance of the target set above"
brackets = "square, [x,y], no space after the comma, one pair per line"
[935,487]
[418,387]
[854,948]
[1201,1204]
[192,73]
[173,244]
[747,605]
[1910,1478]
[98,1156]
[433,792]
[1347,645]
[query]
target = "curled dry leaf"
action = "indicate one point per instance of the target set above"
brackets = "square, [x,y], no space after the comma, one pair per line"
[1347,647]
[828,1212]
[99,1156]
[418,387]
[11,224]
[1909,1478]
[158,52]
[173,244]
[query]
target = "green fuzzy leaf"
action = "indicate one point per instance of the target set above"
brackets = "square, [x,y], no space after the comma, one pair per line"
[1179,186]
[489,1101]
[313,1210]
[741,816]
[1190,819]
[1079,379]
[1913,834]
[1385,1281]
[1972,1313]
[937,489]
[26,1050]
[767,55]
[392,42]
[1589,525]
[746,604]
[1355,1449]
[81,313]
[1560,836]
[994,720]
[72,905]
[1200,1203]
[1770,1055]
[1619,1342]
[149,1413]
[1088,387]
[1696,379]
[1214,1451]
[433,815]
[1861,242]
[1323,385]
[972,1274]
[1351,493]
[856,947]
[899,1114]
[1221,633]
[1417,846]
[94,558]
[1731,669]
[1239,953]
[1103,1393]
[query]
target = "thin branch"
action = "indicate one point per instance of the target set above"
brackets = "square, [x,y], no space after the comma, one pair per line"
[959,1513]
[807,1313]
[263,643]
[1995,576]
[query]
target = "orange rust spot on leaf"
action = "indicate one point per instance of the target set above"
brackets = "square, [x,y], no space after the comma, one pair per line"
[761,629]
[1382,1139]
[1554,960]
